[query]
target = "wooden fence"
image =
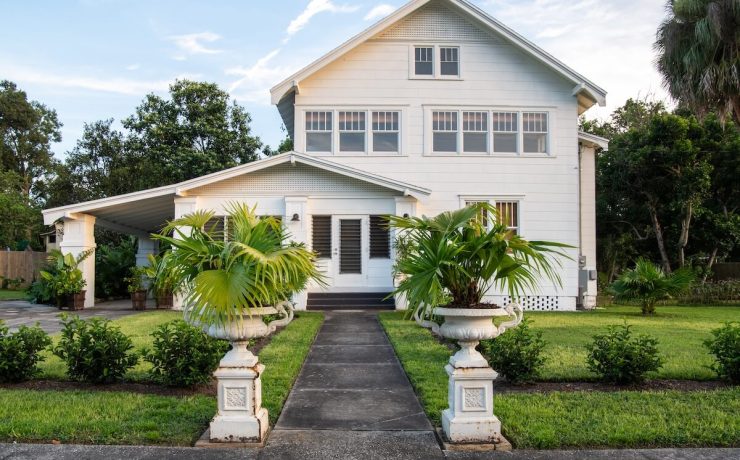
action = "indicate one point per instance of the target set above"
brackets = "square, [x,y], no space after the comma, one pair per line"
[22,264]
[726,271]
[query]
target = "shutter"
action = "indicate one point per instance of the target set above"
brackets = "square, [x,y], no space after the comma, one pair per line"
[216,226]
[321,236]
[380,238]
[350,246]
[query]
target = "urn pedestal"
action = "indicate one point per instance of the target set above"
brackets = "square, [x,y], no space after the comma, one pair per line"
[469,417]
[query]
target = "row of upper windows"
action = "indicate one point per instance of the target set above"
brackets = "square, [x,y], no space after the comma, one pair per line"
[453,131]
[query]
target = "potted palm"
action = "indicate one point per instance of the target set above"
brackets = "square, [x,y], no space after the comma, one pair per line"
[65,279]
[137,287]
[450,263]
[229,285]
[161,280]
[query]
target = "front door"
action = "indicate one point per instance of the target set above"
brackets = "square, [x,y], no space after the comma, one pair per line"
[349,257]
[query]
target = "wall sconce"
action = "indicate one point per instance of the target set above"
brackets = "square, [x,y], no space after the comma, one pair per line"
[296,218]
[405,215]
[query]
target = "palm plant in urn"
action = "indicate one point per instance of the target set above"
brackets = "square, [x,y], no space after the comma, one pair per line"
[451,262]
[230,280]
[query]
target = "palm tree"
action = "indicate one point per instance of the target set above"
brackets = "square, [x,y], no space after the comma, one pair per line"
[699,54]
[456,257]
[648,283]
[223,278]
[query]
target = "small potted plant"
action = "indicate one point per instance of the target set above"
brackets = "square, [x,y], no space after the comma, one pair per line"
[162,284]
[65,279]
[137,287]
[449,263]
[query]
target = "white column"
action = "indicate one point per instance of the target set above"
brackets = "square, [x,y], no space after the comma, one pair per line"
[405,207]
[183,206]
[79,236]
[296,207]
[587,263]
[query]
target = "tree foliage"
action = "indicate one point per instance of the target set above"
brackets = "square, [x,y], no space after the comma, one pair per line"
[699,54]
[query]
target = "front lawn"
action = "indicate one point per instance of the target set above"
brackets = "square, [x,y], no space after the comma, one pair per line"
[104,417]
[7,294]
[585,419]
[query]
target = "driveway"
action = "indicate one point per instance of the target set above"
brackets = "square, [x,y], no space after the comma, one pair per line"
[17,313]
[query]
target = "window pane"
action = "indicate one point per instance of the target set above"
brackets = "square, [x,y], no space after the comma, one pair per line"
[444,121]
[508,214]
[318,121]
[352,121]
[534,122]
[505,143]
[385,121]
[475,142]
[385,142]
[505,122]
[535,143]
[318,142]
[352,142]
[424,61]
[449,60]
[445,142]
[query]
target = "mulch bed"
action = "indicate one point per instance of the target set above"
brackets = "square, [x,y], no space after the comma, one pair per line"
[131,387]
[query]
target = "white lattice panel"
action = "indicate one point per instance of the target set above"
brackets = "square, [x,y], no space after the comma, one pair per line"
[435,22]
[289,179]
[536,302]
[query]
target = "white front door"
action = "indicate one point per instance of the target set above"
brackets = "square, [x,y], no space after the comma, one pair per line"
[349,257]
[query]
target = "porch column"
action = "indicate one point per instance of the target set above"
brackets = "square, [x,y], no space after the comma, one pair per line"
[183,206]
[296,222]
[587,261]
[79,236]
[146,247]
[405,207]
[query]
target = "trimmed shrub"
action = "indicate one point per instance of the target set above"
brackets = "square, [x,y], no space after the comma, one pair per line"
[717,292]
[725,346]
[95,350]
[517,354]
[618,357]
[19,352]
[183,355]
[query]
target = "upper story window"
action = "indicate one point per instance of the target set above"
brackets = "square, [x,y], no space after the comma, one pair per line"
[386,130]
[488,132]
[508,214]
[424,61]
[449,59]
[351,132]
[318,131]
[534,125]
[444,131]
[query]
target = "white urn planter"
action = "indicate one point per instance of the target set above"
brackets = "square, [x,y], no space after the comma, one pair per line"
[469,417]
[241,417]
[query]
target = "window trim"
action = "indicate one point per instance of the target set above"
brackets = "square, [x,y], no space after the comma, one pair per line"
[436,62]
[306,132]
[519,199]
[429,110]
[364,132]
[371,132]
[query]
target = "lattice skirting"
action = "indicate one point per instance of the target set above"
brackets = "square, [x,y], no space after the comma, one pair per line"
[540,303]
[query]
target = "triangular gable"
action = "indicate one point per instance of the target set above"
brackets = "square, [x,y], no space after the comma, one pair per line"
[587,92]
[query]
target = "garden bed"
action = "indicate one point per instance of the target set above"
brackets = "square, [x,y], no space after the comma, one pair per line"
[53,408]
[575,413]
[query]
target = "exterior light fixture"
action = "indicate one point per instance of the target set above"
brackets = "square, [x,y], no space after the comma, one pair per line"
[296,218]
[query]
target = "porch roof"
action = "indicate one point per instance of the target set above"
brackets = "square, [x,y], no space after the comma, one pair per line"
[145,211]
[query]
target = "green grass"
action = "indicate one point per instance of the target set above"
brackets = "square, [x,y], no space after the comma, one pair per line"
[127,418]
[7,294]
[575,419]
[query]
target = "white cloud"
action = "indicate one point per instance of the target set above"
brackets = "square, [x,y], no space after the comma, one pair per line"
[136,66]
[110,85]
[255,82]
[195,43]
[380,11]
[313,8]
[597,38]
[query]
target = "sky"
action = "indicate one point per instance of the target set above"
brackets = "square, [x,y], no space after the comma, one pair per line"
[97,59]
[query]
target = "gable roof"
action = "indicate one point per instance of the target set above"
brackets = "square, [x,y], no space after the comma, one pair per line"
[588,93]
[161,197]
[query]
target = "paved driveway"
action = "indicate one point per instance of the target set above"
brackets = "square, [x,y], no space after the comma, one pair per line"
[16,313]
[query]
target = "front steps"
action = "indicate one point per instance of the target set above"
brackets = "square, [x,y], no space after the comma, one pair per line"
[350,301]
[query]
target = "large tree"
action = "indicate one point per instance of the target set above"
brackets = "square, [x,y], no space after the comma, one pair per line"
[19,220]
[197,131]
[27,130]
[699,54]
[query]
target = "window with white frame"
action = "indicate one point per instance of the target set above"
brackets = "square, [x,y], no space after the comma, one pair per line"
[449,61]
[386,131]
[351,132]
[482,218]
[424,61]
[534,130]
[508,214]
[319,132]
[475,132]
[505,132]
[444,132]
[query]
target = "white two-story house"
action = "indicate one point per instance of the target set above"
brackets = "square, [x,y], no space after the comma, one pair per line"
[434,107]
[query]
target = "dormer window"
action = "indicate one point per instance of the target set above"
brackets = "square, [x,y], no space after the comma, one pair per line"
[434,62]
[424,61]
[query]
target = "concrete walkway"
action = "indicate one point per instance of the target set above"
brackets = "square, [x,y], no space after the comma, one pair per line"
[17,313]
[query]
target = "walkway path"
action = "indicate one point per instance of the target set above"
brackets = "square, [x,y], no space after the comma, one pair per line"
[353,394]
